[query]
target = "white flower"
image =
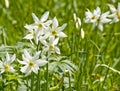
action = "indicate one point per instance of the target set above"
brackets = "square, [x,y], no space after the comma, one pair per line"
[97,18]
[115,13]
[34,34]
[5,66]
[39,28]
[41,24]
[51,46]
[55,30]
[31,64]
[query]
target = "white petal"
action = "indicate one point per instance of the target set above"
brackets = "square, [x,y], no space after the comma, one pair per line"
[105,14]
[29,36]
[100,26]
[27,55]
[12,58]
[35,18]
[11,69]
[7,57]
[2,71]
[55,23]
[61,34]
[45,16]
[51,40]
[112,8]
[25,58]
[56,41]
[57,50]
[47,23]
[97,12]
[88,14]
[62,27]
[94,25]
[1,64]
[35,69]
[25,69]
[41,62]
[22,62]
[36,56]
[119,6]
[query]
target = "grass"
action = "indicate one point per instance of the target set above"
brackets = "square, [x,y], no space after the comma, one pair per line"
[84,54]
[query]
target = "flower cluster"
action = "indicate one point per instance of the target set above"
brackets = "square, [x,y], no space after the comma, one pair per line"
[46,32]
[98,18]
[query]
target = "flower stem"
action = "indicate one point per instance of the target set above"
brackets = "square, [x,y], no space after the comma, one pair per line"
[47,77]
[69,82]
[32,81]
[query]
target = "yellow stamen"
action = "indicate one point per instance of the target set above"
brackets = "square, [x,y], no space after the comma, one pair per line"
[51,47]
[6,67]
[93,17]
[31,64]
[118,14]
[40,25]
[98,20]
[54,32]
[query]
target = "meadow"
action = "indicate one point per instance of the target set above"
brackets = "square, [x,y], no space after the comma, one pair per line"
[59,45]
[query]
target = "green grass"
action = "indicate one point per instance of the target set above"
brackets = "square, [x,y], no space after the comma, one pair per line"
[96,48]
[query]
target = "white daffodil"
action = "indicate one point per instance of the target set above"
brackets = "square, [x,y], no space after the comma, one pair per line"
[51,46]
[5,66]
[41,24]
[55,30]
[34,34]
[97,18]
[115,13]
[92,16]
[31,64]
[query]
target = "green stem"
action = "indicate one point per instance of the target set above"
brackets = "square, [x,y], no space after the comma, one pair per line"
[32,81]
[38,82]
[69,82]
[47,77]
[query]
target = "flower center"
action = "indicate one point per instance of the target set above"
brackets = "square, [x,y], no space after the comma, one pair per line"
[93,17]
[31,64]
[6,67]
[40,25]
[98,20]
[51,47]
[118,14]
[54,32]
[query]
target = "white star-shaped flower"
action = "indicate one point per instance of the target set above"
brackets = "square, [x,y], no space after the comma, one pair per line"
[41,24]
[51,46]
[55,30]
[97,18]
[115,13]
[5,65]
[31,64]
